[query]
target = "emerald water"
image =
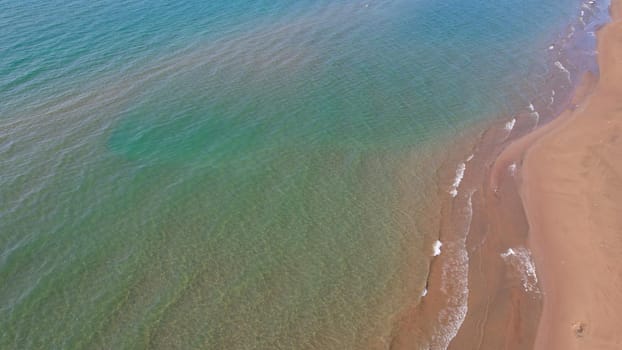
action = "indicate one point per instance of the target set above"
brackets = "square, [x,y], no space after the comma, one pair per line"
[238,174]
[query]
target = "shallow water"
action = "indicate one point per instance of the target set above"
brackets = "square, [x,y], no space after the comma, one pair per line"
[239,175]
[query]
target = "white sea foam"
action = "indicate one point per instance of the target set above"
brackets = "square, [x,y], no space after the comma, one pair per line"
[437,248]
[520,259]
[455,285]
[531,107]
[457,180]
[536,116]
[552,100]
[512,169]
[510,125]
[563,69]
[533,113]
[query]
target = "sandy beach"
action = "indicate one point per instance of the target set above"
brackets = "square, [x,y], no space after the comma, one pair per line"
[570,185]
[534,227]
[543,239]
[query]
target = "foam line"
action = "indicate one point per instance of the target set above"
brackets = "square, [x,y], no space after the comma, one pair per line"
[437,248]
[455,285]
[561,67]
[520,258]
[457,179]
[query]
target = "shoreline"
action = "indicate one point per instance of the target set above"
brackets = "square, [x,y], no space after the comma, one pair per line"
[527,188]
[574,172]
[485,288]
[560,185]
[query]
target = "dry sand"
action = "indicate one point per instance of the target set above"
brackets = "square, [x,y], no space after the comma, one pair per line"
[572,194]
[557,191]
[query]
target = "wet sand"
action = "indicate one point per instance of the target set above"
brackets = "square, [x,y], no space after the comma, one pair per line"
[529,232]
[569,176]
[555,191]
[572,194]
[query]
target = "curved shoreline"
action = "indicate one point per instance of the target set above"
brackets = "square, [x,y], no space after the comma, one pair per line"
[485,290]
[571,190]
[570,185]
[505,298]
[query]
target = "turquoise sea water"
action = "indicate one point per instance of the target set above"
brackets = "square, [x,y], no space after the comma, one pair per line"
[238,174]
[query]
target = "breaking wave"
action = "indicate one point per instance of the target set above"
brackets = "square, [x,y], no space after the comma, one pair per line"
[455,284]
[520,259]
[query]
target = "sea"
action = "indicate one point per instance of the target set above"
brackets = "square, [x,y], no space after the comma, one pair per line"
[242,174]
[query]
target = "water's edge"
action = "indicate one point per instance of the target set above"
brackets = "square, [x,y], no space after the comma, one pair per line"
[453,295]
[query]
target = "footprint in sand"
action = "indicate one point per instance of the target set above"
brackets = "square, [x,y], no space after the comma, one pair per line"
[579,329]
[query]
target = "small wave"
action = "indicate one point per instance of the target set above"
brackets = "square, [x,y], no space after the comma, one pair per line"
[561,67]
[457,180]
[520,259]
[552,100]
[437,248]
[424,292]
[512,169]
[510,125]
[470,158]
[455,284]
[536,116]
